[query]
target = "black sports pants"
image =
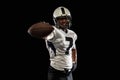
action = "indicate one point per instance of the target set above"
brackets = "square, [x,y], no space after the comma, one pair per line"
[54,74]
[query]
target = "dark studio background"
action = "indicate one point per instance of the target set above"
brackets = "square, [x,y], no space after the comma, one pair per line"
[28,57]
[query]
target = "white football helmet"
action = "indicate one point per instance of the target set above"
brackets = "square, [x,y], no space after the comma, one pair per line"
[62,12]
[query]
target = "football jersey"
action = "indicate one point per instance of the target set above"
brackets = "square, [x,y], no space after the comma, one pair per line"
[59,45]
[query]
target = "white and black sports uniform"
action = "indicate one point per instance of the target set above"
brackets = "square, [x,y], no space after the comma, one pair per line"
[59,45]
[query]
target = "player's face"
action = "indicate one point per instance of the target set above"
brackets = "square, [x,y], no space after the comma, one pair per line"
[63,22]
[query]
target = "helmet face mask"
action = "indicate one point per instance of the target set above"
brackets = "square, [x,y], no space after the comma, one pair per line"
[62,17]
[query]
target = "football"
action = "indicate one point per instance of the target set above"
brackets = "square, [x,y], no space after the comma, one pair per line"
[40,29]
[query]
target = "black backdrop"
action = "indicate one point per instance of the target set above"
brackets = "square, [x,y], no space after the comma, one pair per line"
[27,57]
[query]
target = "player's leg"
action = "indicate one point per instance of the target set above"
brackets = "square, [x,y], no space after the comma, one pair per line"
[54,74]
[70,76]
[51,74]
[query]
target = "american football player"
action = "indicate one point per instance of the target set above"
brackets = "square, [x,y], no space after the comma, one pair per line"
[61,46]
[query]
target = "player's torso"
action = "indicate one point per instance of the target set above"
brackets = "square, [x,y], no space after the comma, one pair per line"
[62,45]
[60,50]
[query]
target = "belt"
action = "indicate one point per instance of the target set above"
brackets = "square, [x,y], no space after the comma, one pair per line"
[62,71]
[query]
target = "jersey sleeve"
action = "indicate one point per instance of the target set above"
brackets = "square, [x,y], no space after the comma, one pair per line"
[55,35]
[74,41]
[58,39]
